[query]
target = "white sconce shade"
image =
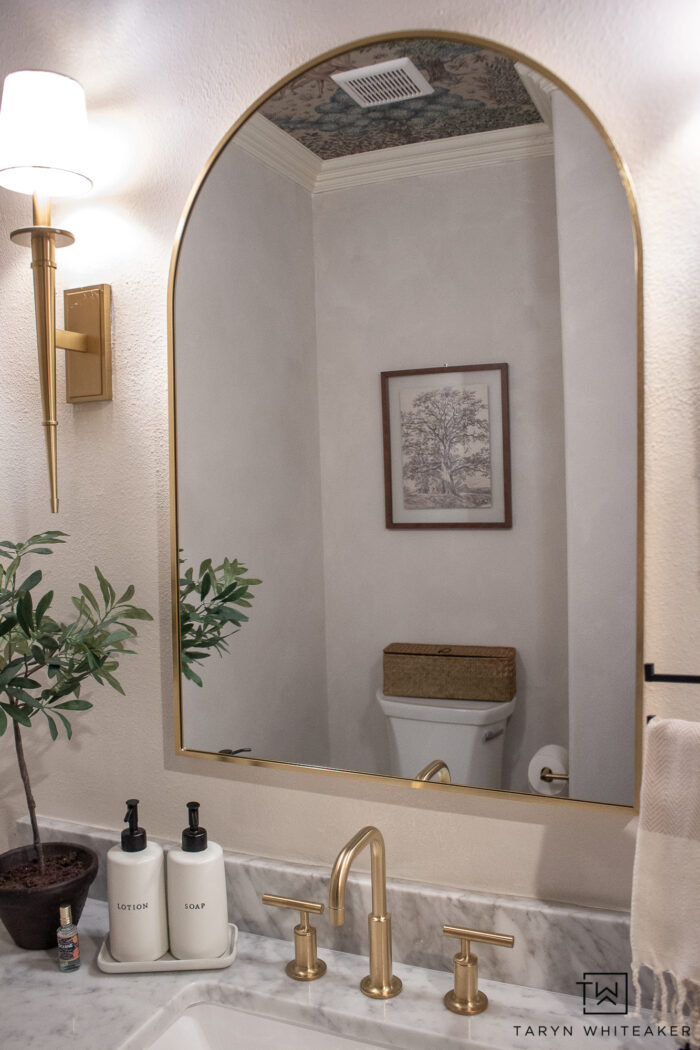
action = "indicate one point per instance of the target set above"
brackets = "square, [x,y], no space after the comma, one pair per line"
[43,135]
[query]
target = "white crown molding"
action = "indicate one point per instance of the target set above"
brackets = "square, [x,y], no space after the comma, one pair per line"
[436,157]
[282,152]
[539,89]
[274,147]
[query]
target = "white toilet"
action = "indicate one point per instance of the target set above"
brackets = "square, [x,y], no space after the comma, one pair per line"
[466,734]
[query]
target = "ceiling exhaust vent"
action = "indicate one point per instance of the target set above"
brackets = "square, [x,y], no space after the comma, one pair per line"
[383,82]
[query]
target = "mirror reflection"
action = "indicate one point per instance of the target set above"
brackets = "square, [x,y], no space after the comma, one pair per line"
[447,209]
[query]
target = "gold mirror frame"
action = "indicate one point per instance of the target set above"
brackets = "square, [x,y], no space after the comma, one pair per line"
[623,173]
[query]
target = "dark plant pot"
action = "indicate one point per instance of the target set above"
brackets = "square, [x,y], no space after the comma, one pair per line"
[30,914]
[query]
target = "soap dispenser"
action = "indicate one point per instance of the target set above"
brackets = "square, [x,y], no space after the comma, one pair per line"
[138,922]
[197,905]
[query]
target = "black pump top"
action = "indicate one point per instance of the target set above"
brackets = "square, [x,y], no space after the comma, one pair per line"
[194,838]
[133,837]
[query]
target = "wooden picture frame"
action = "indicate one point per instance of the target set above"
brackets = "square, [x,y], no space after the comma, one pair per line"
[447,447]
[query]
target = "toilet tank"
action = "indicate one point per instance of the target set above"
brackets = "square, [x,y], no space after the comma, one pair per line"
[466,734]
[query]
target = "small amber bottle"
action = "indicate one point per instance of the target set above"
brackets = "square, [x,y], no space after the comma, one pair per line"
[67,936]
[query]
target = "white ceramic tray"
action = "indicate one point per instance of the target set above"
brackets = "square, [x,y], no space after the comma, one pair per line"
[168,961]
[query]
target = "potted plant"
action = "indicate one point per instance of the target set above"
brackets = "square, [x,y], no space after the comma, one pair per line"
[43,664]
[207,616]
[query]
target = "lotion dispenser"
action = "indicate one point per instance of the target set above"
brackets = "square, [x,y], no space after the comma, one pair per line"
[138,923]
[197,905]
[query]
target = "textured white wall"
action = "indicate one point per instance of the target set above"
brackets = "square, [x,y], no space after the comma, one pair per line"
[165,81]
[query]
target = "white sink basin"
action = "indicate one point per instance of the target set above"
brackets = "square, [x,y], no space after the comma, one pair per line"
[211,1026]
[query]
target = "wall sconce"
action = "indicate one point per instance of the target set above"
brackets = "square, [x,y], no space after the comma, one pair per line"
[43,132]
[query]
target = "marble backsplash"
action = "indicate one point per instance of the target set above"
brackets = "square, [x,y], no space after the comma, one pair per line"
[555,944]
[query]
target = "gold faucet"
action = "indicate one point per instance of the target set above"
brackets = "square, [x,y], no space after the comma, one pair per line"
[438,770]
[380,983]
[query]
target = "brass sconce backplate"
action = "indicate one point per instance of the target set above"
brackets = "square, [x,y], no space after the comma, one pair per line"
[89,365]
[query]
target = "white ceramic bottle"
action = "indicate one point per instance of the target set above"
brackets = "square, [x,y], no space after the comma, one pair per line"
[138,921]
[197,904]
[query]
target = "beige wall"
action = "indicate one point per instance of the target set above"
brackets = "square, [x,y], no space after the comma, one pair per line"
[164,81]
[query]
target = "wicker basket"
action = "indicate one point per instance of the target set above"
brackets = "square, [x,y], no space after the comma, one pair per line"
[449,672]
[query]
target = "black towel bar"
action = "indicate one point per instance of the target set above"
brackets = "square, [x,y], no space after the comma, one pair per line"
[650,676]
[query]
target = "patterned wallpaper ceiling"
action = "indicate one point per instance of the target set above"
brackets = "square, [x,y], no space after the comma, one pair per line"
[474,90]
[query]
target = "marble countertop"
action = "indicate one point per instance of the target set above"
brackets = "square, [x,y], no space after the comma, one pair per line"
[43,1007]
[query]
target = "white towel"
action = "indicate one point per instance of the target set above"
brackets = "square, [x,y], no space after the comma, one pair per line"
[665,922]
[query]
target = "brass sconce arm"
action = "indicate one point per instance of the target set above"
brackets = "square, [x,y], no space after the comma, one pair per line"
[92,379]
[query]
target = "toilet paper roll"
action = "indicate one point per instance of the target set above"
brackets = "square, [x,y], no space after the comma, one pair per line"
[557,758]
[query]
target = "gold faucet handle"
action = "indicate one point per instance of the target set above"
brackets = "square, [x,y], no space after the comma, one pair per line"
[305,966]
[465,997]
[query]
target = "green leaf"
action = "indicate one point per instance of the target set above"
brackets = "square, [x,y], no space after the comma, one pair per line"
[46,537]
[7,624]
[17,714]
[3,721]
[74,705]
[42,605]
[108,592]
[206,586]
[232,615]
[12,567]
[10,670]
[31,581]
[131,612]
[66,723]
[113,682]
[229,591]
[65,689]
[189,673]
[52,726]
[20,697]
[25,616]
[85,590]
[127,595]
[23,683]
[119,636]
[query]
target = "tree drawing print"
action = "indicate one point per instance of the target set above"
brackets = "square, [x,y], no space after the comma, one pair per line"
[446,447]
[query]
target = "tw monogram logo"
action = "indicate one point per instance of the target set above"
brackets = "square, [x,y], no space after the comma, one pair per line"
[604,993]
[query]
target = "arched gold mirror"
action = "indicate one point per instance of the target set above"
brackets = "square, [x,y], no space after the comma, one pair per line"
[452,210]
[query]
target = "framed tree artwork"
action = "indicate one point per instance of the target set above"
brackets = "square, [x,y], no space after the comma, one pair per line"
[447,448]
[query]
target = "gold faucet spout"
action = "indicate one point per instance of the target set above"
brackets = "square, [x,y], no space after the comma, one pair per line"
[371,837]
[380,983]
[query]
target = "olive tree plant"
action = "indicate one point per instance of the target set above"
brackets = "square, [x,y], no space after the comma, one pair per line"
[208,613]
[44,661]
